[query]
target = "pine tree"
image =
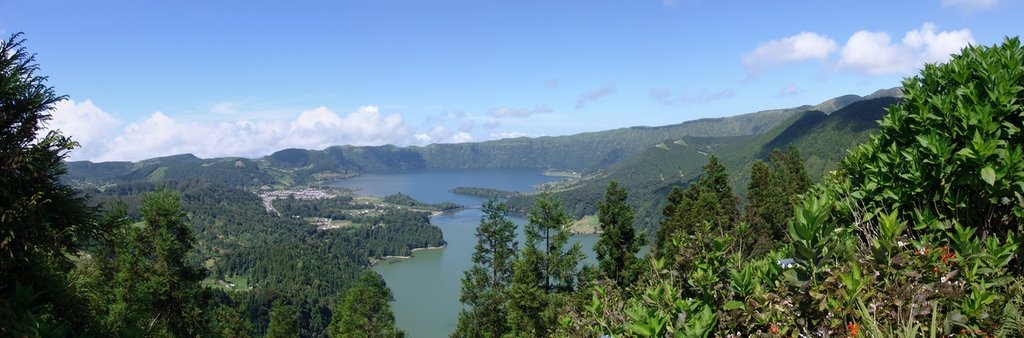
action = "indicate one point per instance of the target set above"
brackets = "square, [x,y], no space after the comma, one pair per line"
[709,201]
[284,321]
[544,271]
[230,322]
[618,245]
[773,188]
[363,310]
[484,285]
[799,181]
[173,284]
[42,221]
[550,223]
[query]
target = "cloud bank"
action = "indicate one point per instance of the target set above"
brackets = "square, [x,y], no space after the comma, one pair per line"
[104,137]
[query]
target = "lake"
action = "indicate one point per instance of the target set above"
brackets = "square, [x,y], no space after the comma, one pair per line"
[427,286]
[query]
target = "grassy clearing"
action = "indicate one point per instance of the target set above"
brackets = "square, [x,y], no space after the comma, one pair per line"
[233,283]
[589,224]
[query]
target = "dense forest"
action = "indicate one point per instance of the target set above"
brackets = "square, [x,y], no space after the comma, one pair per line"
[281,258]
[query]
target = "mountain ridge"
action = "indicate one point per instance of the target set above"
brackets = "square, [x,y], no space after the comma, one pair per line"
[585,152]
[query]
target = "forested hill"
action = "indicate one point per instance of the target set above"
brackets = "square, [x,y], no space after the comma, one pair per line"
[586,152]
[821,138]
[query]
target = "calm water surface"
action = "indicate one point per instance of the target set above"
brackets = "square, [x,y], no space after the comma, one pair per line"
[427,286]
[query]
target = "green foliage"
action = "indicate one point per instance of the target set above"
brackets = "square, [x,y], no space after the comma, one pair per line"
[170,282]
[482,192]
[547,235]
[658,309]
[618,245]
[773,188]
[141,278]
[485,285]
[229,322]
[953,148]
[363,310]
[708,205]
[406,200]
[284,321]
[813,237]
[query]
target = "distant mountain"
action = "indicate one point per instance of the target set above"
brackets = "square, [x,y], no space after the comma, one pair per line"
[585,152]
[235,172]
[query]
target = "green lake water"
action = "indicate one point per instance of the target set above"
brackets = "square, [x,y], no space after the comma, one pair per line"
[427,286]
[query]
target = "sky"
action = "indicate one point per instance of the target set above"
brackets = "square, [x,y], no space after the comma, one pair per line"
[247,78]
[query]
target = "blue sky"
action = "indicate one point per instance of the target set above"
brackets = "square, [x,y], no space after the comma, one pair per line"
[246,78]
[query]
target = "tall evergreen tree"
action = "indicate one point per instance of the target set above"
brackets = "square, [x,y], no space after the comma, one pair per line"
[363,310]
[230,322]
[484,285]
[617,247]
[173,282]
[550,223]
[710,200]
[42,221]
[284,321]
[773,187]
[544,271]
[799,181]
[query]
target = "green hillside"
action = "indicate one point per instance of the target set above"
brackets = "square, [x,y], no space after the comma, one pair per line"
[821,138]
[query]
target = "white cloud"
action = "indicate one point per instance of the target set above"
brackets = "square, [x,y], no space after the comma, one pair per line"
[937,47]
[86,123]
[875,53]
[103,138]
[593,95]
[492,124]
[799,47]
[441,134]
[970,5]
[516,112]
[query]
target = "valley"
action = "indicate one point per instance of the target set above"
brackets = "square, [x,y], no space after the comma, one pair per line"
[368,169]
[344,191]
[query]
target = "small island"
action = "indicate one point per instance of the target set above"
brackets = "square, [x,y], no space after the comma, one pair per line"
[483,192]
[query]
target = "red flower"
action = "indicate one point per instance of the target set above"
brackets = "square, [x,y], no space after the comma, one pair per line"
[852,327]
[773,329]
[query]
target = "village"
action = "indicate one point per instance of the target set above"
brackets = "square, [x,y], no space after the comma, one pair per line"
[268,197]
